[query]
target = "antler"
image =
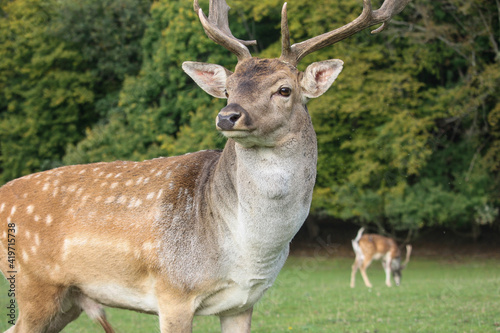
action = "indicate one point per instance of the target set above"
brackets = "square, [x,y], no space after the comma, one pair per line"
[293,54]
[217,28]
[408,253]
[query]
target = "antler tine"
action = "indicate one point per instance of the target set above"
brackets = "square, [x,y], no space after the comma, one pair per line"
[285,35]
[217,28]
[366,19]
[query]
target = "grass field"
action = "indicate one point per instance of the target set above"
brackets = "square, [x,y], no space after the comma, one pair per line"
[313,295]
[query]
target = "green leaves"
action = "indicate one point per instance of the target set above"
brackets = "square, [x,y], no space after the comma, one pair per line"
[56,75]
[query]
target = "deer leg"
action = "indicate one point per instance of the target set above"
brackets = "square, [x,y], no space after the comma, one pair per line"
[239,323]
[176,320]
[355,266]
[362,269]
[176,311]
[48,312]
[387,268]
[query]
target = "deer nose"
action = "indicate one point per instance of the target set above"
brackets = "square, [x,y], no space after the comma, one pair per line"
[228,117]
[226,121]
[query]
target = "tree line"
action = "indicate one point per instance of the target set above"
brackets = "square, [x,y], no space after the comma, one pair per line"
[408,136]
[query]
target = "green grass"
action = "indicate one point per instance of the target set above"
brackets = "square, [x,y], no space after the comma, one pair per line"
[313,295]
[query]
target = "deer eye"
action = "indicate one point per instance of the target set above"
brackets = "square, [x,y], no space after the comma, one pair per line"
[285,91]
[225,93]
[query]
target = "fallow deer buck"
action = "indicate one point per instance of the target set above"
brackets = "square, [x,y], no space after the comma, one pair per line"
[200,234]
[370,247]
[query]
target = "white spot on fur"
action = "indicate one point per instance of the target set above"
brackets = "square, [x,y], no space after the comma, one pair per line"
[150,195]
[109,175]
[109,199]
[49,219]
[45,187]
[55,192]
[13,210]
[72,188]
[118,175]
[37,240]
[25,256]
[114,185]
[147,246]
[146,180]
[84,199]
[160,192]
[134,202]
[30,209]
[2,207]
[104,184]
[4,234]
[129,182]
[139,180]
[98,198]
[37,218]
[78,244]
[121,199]
[82,171]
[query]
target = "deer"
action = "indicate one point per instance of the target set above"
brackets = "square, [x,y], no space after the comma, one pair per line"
[204,233]
[369,247]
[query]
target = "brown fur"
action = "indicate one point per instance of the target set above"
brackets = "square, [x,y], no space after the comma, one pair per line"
[121,201]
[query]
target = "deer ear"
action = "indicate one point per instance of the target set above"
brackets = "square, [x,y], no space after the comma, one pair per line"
[211,78]
[319,76]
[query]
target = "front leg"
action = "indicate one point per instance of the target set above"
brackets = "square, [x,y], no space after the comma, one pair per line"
[387,268]
[176,311]
[176,319]
[239,323]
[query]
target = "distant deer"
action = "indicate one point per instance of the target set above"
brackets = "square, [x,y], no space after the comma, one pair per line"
[370,247]
[200,234]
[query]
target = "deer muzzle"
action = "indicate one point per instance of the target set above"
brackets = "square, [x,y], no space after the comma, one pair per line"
[232,117]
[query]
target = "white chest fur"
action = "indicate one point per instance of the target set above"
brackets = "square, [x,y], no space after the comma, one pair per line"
[273,192]
[274,195]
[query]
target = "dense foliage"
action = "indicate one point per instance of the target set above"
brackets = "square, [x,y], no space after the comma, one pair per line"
[409,135]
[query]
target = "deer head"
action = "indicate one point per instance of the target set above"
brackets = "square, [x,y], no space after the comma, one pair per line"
[397,266]
[265,94]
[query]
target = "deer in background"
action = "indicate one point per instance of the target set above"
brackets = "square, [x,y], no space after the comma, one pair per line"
[370,247]
[200,234]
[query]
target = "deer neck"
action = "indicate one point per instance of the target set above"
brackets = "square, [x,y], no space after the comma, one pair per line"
[266,193]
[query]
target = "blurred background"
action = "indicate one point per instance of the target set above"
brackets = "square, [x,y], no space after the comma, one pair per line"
[408,135]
